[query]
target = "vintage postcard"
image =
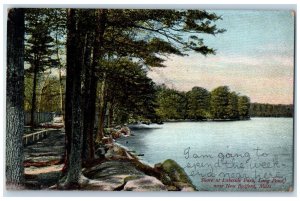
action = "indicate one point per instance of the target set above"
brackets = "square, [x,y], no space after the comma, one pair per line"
[150,100]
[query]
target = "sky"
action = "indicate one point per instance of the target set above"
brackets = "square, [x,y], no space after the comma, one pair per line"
[254,57]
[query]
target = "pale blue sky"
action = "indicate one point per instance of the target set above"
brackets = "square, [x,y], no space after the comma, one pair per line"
[254,57]
[252,30]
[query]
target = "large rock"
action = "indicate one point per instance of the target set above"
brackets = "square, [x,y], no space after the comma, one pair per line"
[107,140]
[125,131]
[176,175]
[111,184]
[111,168]
[100,150]
[120,175]
[116,152]
[144,183]
[110,175]
[115,134]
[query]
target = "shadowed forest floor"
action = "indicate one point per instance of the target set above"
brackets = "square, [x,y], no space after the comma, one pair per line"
[44,161]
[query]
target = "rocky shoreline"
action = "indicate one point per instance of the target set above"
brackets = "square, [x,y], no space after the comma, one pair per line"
[133,175]
[115,169]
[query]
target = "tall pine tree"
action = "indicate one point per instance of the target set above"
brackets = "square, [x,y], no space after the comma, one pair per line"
[15,99]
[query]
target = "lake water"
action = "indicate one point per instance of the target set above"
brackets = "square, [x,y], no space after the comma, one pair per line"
[254,155]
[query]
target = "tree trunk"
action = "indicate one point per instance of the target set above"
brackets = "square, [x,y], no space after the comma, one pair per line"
[91,125]
[110,115]
[75,140]
[59,75]
[61,105]
[102,110]
[90,86]
[71,65]
[44,86]
[15,99]
[71,57]
[101,18]
[33,100]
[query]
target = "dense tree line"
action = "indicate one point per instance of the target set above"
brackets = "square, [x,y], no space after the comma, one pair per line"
[200,104]
[271,110]
[106,54]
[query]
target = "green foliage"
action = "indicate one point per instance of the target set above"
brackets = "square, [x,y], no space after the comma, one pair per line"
[44,42]
[243,107]
[48,94]
[129,90]
[169,26]
[149,35]
[219,102]
[145,37]
[271,110]
[27,92]
[38,44]
[198,103]
[171,104]
[133,40]
[233,106]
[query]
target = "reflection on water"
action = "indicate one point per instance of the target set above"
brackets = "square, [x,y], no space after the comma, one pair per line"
[260,148]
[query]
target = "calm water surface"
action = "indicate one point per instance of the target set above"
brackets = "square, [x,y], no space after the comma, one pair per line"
[259,149]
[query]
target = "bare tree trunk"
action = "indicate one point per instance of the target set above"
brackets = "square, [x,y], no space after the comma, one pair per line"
[91,124]
[75,137]
[101,18]
[60,91]
[102,110]
[90,85]
[110,115]
[33,100]
[42,92]
[59,76]
[71,56]
[15,99]
[89,117]
[59,65]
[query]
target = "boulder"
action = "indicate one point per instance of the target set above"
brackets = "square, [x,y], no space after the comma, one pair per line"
[120,175]
[110,175]
[115,134]
[110,184]
[116,153]
[109,169]
[125,131]
[107,140]
[118,131]
[100,151]
[145,183]
[176,174]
